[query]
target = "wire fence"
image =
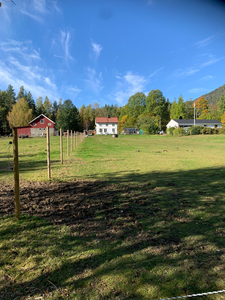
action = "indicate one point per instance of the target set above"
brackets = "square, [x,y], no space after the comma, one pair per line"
[6,156]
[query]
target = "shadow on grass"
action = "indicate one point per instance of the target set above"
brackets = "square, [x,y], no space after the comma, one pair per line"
[147,236]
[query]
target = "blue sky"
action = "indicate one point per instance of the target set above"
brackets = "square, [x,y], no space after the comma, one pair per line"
[105,51]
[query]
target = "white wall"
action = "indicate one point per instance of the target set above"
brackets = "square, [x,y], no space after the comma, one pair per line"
[103,128]
[172,123]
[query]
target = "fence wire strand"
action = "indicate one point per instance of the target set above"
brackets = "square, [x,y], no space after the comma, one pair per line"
[6,164]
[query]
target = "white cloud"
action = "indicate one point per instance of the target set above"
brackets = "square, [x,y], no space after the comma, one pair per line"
[33,16]
[40,6]
[22,48]
[155,72]
[128,85]
[211,61]
[18,66]
[205,42]
[48,81]
[184,73]
[96,50]
[197,90]
[94,80]
[64,40]
[71,90]
[208,77]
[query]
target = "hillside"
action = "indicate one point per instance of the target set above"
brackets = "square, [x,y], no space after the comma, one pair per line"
[214,96]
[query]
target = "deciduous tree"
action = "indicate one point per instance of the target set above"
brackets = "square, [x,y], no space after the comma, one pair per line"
[20,115]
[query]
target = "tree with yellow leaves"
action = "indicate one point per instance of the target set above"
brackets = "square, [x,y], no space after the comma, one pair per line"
[20,115]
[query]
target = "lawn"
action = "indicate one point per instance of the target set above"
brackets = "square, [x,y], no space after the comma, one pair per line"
[134,217]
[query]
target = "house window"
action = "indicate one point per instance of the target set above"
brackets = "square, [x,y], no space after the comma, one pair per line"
[105,130]
[49,124]
[113,124]
[100,124]
[100,130]
[34,124]
[106,124]
[113,130]
[39,128]
[42,121]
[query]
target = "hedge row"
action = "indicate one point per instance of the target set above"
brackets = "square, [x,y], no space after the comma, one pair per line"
[194,130]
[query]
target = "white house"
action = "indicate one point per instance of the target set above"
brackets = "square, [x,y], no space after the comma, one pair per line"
[106,125]
[188,123]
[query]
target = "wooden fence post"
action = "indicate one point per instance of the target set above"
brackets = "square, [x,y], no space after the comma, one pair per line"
[71,140]
[61,146]
[68,143]
[16,174]
[74,140]
[48,152]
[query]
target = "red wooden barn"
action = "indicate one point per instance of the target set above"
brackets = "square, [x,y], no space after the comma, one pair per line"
[38,126]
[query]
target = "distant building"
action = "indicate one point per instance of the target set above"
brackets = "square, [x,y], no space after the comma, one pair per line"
[182,123]
[106,125]
[129,130]
[38,126]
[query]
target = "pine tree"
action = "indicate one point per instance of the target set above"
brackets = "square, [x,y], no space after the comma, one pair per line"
[21,93]
[29,98]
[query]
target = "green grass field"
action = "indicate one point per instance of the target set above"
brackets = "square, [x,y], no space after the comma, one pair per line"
[155,208]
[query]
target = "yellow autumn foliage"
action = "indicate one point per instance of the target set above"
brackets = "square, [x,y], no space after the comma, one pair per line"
[20,115]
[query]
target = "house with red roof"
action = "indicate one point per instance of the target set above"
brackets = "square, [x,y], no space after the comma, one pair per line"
[37,127]
[106,125]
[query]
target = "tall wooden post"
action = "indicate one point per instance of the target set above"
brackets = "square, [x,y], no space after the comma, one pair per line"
[61,146]
[16,174]
[71,140]
[68,143]
[48,152]
[74,137]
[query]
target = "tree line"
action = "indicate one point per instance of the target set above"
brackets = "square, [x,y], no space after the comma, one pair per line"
[147,112]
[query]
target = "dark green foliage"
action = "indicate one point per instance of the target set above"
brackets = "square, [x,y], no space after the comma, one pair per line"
[68,117]
[21,93]
[136,105]
[29,98]
[221,105]
[189,110]
[196,130]
[55,108]
[207,130]
[150,128]
[7,99]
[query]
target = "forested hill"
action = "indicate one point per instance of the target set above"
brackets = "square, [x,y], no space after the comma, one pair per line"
[214,96]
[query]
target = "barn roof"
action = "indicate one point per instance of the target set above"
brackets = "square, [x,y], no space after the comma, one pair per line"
[39,117]
[106,120]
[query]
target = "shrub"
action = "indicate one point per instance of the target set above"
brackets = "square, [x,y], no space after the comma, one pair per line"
[221,130]
[170,130]
[188,131]
[196,130]
[207,130]
[179,132]
[150,128]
